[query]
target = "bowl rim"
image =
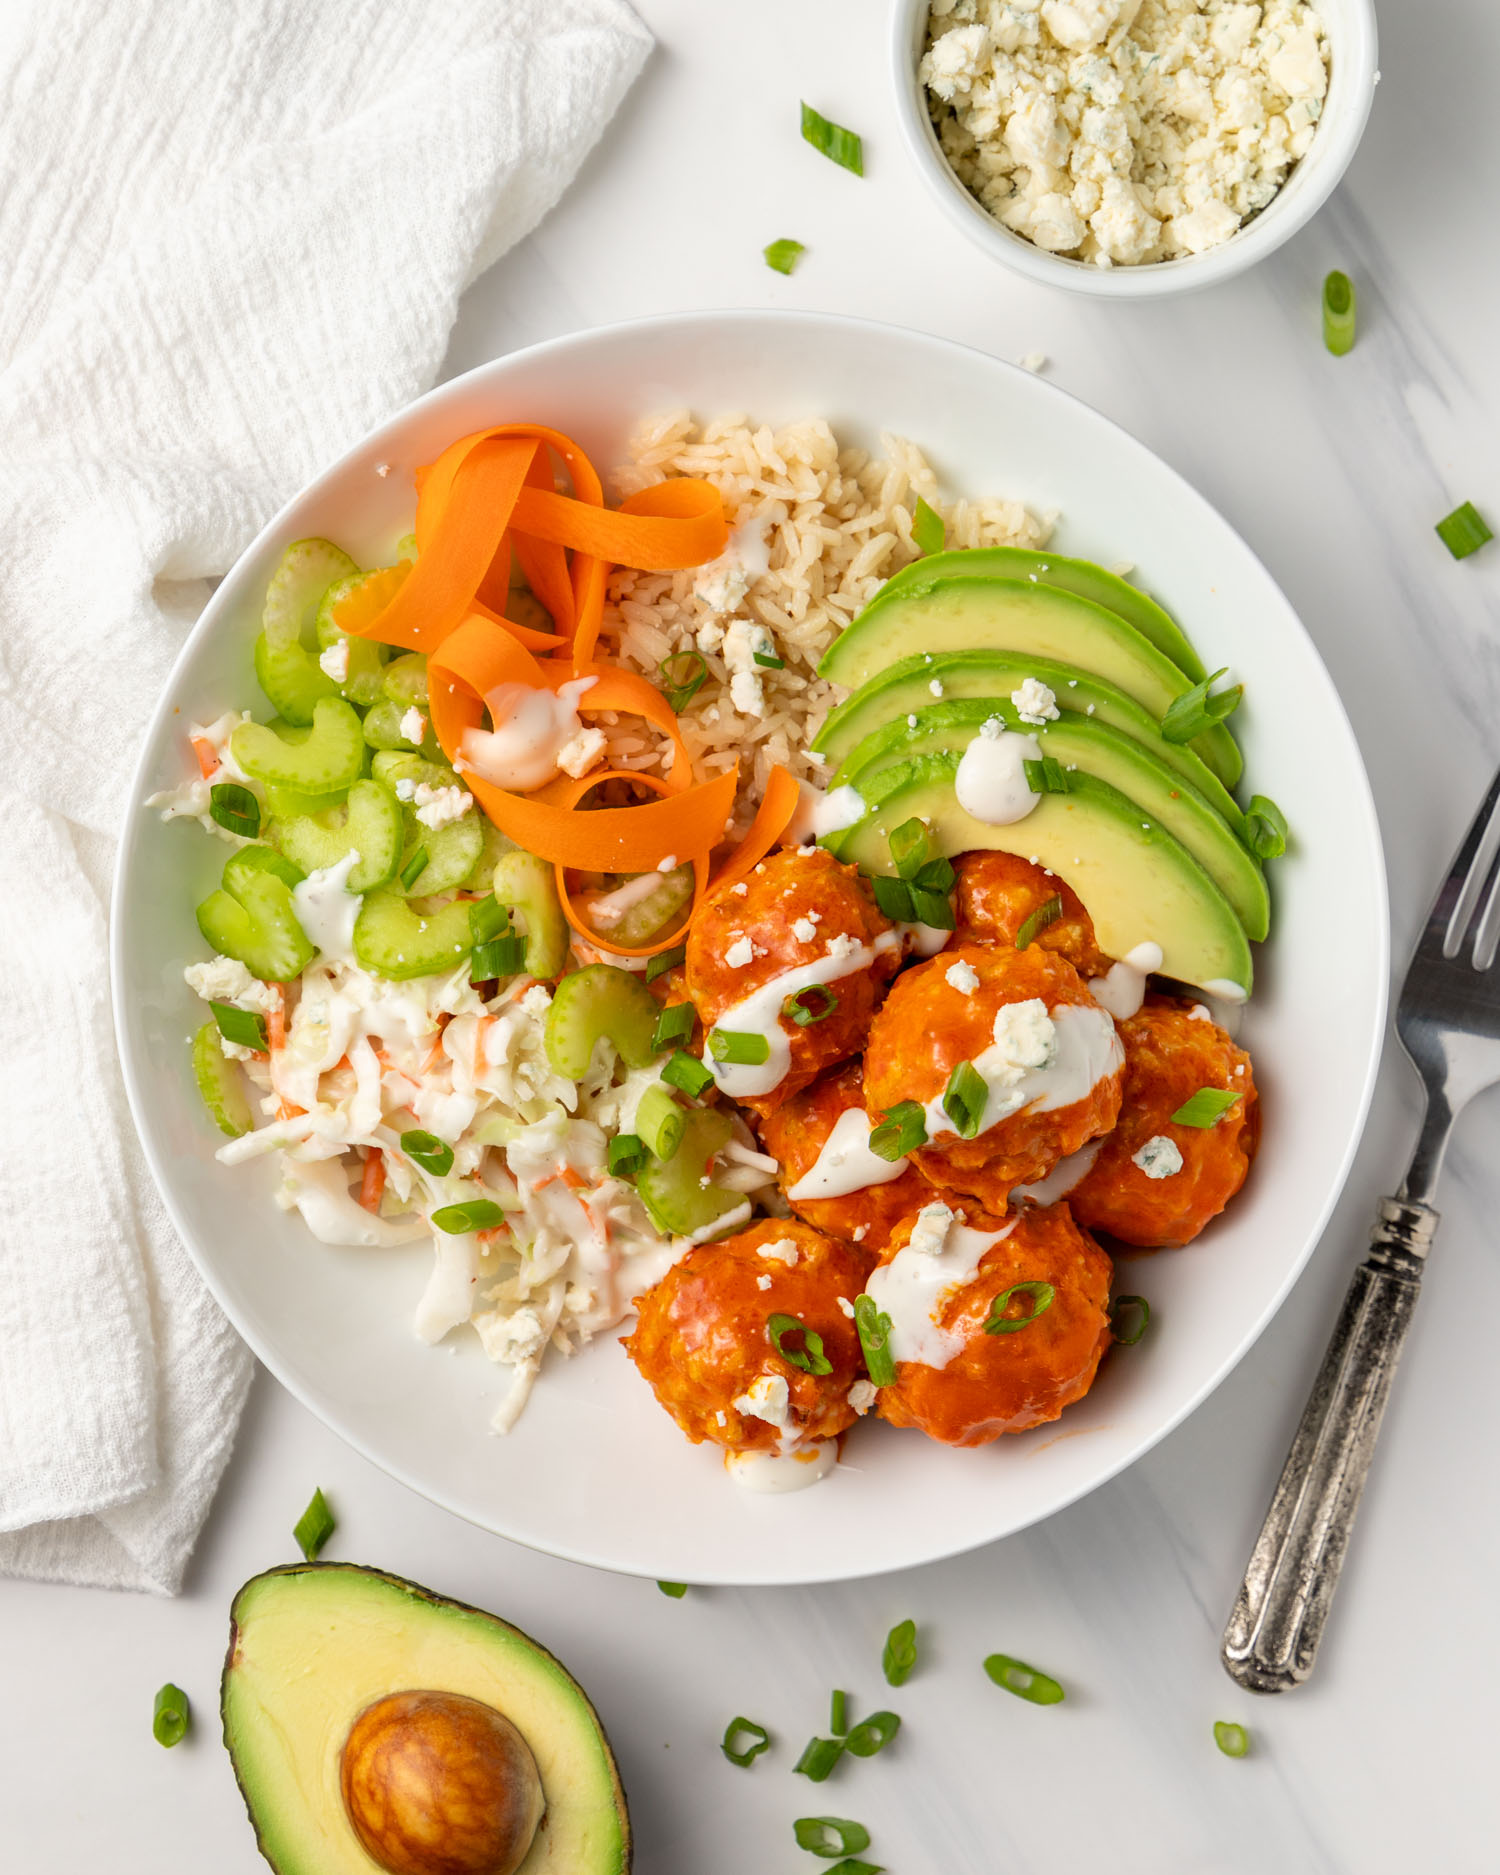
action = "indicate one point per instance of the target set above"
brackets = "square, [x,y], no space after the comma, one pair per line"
[1337,140]
[1363,825]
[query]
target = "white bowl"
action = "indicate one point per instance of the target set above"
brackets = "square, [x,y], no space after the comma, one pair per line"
[1351,88]
[595,1470]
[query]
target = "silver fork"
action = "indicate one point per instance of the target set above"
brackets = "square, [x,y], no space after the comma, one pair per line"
[1448,1019]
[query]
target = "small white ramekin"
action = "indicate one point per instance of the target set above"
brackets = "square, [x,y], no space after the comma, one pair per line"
[1351,88]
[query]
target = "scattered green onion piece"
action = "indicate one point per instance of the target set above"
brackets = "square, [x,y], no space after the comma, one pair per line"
[1120,1306]
[428,1151]
[660,1122]
[833,141]
[684,674]
[927,528]
[314,1527]
[169,1715]
[500,957]
[1036,923]
[819,1758]
[246,1028]
[740,1047]
[234,808]
[829,1836]
[664,961]
[1197,710]
[893,896]
[627,1154]
[488,918]
[838,1713]
[803,1013]
[936,876]
[809,1358]
[900,1654]
[473,1214]
[931,908]
[1338,313]
[414,868]
[999,1323]
[1048,776]
[903,1129]
[768,663]
[688,1073]
[1025,1682]
[1232,1739]
[965,1099]
[874,1328]
[675,1589]
[744,1728]
[782,256]
[1206,1108]
[674,1024]
[911,847]
[1463,532]
[1265,828]
[873,1734]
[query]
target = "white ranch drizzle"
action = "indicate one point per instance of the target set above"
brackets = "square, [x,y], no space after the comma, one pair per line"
[1062,1178]
[913,1285]
[771,1473]
[1122,989]
[1085,1050]
[326,909]
[845,1163]
[991,780]
[817,813]
[532,727]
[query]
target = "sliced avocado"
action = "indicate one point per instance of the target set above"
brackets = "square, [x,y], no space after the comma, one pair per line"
[905,688]
[1078,576]
[1138,883]
[1018,616]
[315,1645]
[1092,748]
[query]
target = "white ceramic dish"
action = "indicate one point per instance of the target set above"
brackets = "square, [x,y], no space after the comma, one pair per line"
[1351,91]
[596,1471]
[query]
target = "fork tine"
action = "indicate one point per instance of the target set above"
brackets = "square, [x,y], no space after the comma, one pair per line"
[1464,886]
[1487,936]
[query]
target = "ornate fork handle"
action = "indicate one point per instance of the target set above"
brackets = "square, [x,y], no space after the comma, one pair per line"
[1272,1638]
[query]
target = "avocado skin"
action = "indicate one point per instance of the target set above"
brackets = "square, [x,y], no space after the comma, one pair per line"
[433,1600]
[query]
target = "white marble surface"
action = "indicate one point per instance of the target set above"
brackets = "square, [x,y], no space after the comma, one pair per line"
[1334,471]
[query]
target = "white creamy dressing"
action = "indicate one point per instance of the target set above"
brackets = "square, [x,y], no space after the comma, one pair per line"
[1039,1061]
[818,813]
[926,940]
[1062,1178]
[610,907]
[326,909]
[1122,989]
[319,1190]
[771,1473]
[991,780]
[760,1014]
[846,1164]
[532,728]
[912,1287]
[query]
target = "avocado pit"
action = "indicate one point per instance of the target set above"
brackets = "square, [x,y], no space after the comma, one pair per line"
[440,1784]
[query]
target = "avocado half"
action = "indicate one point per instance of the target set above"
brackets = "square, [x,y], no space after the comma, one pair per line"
[314,1645]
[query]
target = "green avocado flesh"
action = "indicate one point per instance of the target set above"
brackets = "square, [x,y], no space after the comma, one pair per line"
[312,1645]
[1084,744]
[1138,883]
[1076,576]
[1026,619]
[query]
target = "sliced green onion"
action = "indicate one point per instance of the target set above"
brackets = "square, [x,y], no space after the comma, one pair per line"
[874,1327]
[893,896]
[674,1024]
[660,1122]
[936,876]
[500,957]
[627,1154]
[1123,1305]
[819,1758]
[488,918]
[999,1323]
[1232,1739]
[1338,313]
[169,1715]
[965,1098]
[833,141]
[903,1129]
[1206,1108]
[688,1073]
[1197,710]
[1036,923]
[767,661]
[244,1027]
[804,1013]
[414,868]
[739,1047]
[931,908]
[829,1836]
[809,1358]
[838,1714]
[664,961]
[235,808]
[873,1734]
[1463,532]
[927,528]
[428,1151]
[473,1214]
[900,1654]
[675,1589]
[911,847]
[782,256]
[1265,828]
[760,1740]
[1048,776]
[1025,1682]
[314,1527]
[684,675]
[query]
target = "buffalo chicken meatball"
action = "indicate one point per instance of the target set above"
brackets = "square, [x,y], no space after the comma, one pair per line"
[994,1327]
[994,895]
[1156,1182]
[821,1137]
[1014,1062]
[750,1343]
[801,925]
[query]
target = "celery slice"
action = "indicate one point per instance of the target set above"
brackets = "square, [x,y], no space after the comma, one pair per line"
[327,757]
[370,822]
[292,678]
[395,940]
[257,925]
[295,590]
[596,1002]
[383,729]
[259,858]
[672,1190]
[220,1083]
[404,680]
[659,908]
[366,666]
[525,884]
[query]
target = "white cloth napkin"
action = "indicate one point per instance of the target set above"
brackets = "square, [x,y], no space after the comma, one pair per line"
[235,234]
